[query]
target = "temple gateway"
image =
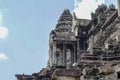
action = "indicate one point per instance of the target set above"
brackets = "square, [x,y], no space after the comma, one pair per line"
[82,49]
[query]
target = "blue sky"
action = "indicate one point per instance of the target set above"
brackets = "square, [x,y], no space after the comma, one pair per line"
[27,24]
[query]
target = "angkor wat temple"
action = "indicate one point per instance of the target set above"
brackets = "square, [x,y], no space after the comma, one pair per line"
[82,49]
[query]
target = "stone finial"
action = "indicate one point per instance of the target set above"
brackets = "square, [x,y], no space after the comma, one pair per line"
[66,12]
[66,16]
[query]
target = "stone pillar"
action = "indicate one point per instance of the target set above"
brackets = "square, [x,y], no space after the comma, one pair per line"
[54,54]
[75,53]
[64,54]
[50,58]
[72,55]
[118,1]
[78,46]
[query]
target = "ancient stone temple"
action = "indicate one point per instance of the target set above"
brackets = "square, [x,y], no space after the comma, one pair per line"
[82,49]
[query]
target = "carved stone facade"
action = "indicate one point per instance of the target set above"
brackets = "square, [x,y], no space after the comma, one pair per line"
[82,49]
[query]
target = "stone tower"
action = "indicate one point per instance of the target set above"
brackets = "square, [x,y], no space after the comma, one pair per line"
[62,42]
[67,39]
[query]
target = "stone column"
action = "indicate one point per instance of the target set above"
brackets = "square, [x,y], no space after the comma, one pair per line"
[78,46]
[118,1]
[75,53]
[64,54]
[54,54]
[50,58]
[72,55]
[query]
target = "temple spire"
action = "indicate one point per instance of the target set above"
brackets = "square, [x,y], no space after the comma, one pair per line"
[66,16]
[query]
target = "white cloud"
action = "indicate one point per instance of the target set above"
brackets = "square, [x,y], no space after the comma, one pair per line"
[83,8]
[1,17]
[3,56]
[3,30]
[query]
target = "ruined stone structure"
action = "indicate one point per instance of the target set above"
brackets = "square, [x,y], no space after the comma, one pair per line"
[82,49]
